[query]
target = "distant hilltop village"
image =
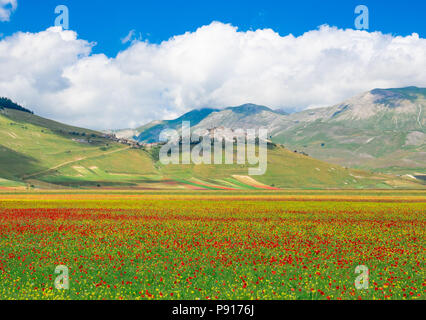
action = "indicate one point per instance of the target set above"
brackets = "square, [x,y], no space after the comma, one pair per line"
[221,132]
[130,142]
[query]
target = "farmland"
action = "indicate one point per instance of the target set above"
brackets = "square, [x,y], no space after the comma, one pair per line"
[213,244]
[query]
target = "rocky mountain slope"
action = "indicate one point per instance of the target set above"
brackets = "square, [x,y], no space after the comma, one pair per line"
[383,129]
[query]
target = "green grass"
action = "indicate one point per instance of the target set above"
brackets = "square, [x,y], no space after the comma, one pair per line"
[30,146]
[47,154]
[10,183]
[286,169]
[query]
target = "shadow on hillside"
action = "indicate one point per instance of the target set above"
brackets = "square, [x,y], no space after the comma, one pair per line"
[14,165]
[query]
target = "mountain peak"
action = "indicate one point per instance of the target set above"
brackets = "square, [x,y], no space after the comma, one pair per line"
[391,96]
[195,116]
[403,90]
[249,109]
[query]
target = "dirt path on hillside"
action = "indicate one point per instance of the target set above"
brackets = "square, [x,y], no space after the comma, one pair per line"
[72,161]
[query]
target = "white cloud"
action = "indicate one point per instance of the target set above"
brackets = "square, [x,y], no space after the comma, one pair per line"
[6,9]
[129,37]
[55,74]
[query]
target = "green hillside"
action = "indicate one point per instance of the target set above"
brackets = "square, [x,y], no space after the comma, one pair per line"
[286,169]
[31,145]
[46,154]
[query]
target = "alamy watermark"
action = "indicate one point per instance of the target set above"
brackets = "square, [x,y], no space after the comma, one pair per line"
[63,18]
[362,281]
[229,147]
[362,20]
[62,282]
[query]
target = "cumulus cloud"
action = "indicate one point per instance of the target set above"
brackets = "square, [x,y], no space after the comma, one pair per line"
[54,73]
[6,9]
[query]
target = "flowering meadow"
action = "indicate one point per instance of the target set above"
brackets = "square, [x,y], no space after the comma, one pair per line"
[212,246]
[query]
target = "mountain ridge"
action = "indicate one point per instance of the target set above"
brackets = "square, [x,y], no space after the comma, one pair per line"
[41,153]
[387,121]
[375,132]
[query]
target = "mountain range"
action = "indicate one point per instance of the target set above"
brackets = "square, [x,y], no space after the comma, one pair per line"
[388,125]
[383,130]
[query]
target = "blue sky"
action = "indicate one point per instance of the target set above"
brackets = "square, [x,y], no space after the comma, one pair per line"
[106,22]
[192,54]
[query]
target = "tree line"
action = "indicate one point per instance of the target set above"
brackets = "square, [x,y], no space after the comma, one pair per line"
[9,104]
